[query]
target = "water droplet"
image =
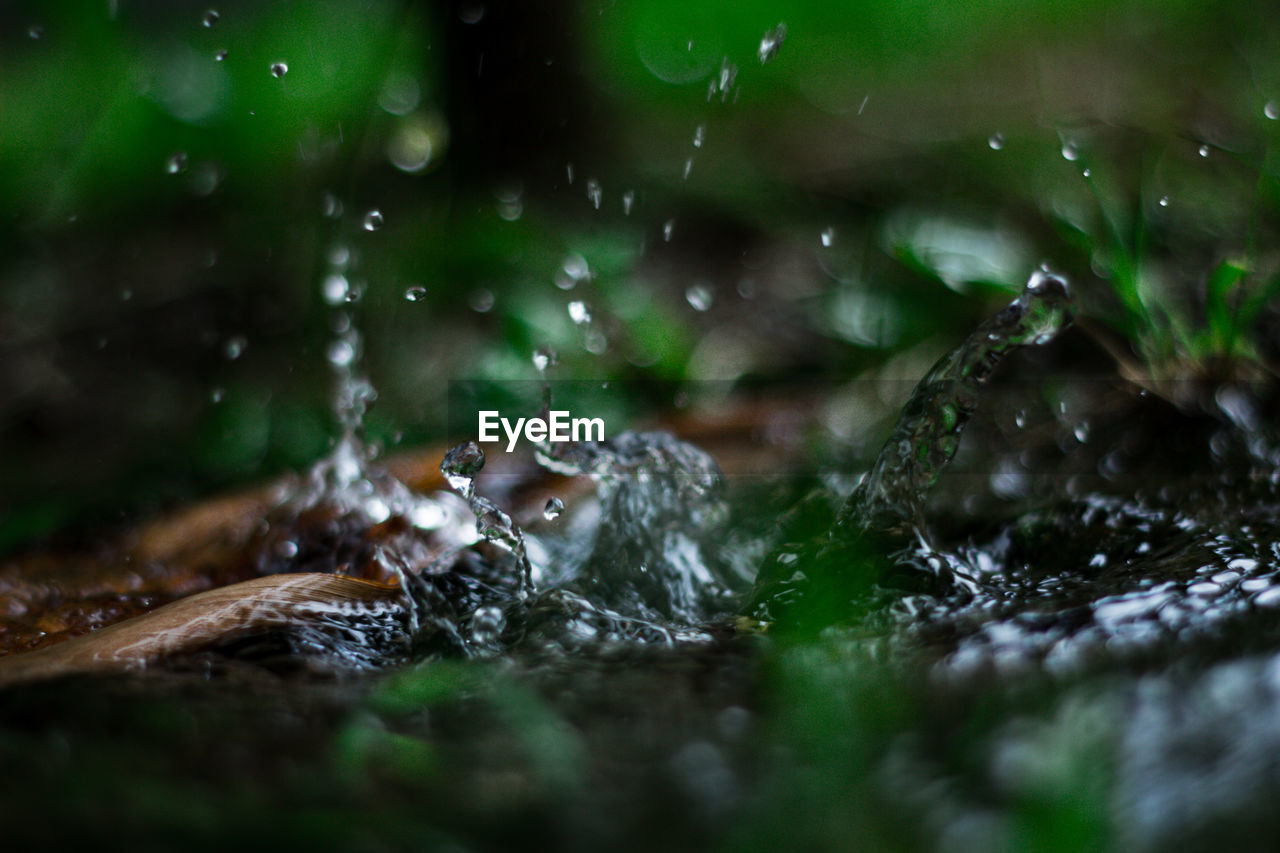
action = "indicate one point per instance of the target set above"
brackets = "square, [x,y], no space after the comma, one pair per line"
[594,341]
[220,56]
[579,313]
[1164,201]
[573,269]
[176,163]
[771,42]
[339,256]
[341,353]
[1081,432]
[699,135]
[471,13]
[372,220]
[544,357]
[667,228]
[996,141]
[828,236]
[487,624]
[481,300]
[332,206]
[1020,418]
[217,395]
[234,347]
[279,69]
[1272,110]
[1069,151]
[35,31]
[416,293]
[628,201]
[594,193]
[335,288]
[553,509]
[688,167]
[400,94]
[699,296]
[568,171]
[1204,150]
[460,467]
[1088,173]
[210,18]
[204,180]
[728,74]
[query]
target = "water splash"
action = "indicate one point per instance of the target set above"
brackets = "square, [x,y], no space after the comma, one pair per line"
[891,494]
[884,515]
[654,553]
[460,467]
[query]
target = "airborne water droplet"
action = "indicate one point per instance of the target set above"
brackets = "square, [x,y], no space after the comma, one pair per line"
[341,353]
[1164,201]
[35,31]
[372,220]
[699,296]
[771,42]
[699,135]
[544,357]
[688,167]
[594,193]
[210,18]
[460,467]
[828,236]
[176,163]
[1204,150]
[1271,110]
[553,509]
[482,300]
[335,288]
[279,69]
[668,227]
[579,313]
[416,293]
[220,55]
[628,200]
[1069,151]
[996,141]
[234,347]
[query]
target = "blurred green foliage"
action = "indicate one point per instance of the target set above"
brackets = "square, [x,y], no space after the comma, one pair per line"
[869,191]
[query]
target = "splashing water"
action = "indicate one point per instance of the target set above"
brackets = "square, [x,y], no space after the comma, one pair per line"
[885,513]
[654,553]
[460,467]
[891,494]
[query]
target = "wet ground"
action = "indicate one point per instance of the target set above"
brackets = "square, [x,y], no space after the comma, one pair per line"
[1096,670]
